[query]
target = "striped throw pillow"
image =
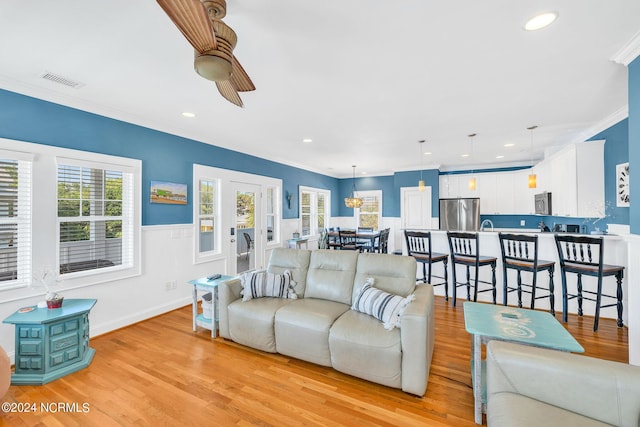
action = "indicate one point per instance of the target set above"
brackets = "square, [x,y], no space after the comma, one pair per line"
[382,305]
[259,284]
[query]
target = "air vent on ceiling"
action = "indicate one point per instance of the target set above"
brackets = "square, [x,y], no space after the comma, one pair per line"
[61,80]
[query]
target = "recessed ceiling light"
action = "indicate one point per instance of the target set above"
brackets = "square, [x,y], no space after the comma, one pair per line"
[499,156]
[509,144]
[307,140]
[188,114]
[540,21]
[427,153]
[465,155]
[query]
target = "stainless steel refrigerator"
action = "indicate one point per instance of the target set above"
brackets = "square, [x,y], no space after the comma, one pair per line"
[460,214]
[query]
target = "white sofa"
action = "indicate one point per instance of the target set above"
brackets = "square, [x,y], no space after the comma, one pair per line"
[320,326]
[531,386]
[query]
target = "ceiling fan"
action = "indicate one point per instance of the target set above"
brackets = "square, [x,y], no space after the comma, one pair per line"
[200,21]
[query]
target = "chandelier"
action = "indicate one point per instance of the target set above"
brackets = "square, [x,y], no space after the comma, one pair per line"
[353,201]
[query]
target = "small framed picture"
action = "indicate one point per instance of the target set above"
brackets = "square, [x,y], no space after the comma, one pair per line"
[622,185]
[168,193]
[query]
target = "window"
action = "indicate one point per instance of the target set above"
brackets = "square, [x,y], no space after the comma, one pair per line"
[207,215]
[314,206]
[95,217]
[15,220]
[370,213]
[272,214]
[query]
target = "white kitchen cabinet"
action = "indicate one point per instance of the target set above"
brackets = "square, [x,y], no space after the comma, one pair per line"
[563,188]
[449,186]
[486,189]
[575,177]
[523,203]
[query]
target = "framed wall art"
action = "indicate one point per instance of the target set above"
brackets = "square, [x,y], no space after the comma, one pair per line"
[622,185]
[168,193]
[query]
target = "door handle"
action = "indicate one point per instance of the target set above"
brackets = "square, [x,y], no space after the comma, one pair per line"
[233,240]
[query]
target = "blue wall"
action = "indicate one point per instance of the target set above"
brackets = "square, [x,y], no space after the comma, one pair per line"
[634,145]
[70,128]
[390,186]
[616,150]
[164,157]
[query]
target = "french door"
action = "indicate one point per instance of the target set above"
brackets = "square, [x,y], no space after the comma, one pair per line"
[245,236]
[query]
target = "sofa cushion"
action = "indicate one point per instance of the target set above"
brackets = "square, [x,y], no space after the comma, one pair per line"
[360,346]
[294,260]
[251,322]
[331,275]
[395,274]
[511,409]
[302,329]
[382,305]
[259,284]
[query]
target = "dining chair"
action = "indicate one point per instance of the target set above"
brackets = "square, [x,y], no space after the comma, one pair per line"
[584,255]
[334,238]
[464,251]
[367,244]
[520,254]
[349,240]
[419,247]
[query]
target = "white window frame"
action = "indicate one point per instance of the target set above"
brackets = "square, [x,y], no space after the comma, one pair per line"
[201,173]
[314,192]
[23,220]
[131,215]
[275,215]
[370,193]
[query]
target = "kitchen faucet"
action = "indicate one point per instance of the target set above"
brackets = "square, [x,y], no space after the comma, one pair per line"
[485,222]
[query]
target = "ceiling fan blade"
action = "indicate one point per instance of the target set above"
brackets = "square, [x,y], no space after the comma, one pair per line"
[228,90]
[192,19]
[240,78]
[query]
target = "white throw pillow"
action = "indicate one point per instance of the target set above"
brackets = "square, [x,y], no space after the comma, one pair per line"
[259,284]
[382,305]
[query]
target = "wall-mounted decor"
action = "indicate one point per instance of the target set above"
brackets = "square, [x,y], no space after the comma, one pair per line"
[622,185]
[168,192]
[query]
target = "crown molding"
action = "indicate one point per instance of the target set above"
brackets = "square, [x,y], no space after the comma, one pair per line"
[603,124]
[629,52]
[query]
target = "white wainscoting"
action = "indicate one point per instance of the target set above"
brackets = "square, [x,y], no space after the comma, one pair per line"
[167,266]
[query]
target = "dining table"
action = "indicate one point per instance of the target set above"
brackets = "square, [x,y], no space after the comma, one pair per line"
[366,239]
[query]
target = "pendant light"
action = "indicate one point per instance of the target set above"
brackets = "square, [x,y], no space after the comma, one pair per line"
[472,180]
[353,201]
[421,182]
[532,181]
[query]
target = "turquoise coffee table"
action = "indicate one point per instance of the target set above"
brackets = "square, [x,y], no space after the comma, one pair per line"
[486,322]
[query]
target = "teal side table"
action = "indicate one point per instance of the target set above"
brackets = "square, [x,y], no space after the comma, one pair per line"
[206,285]
[51,343]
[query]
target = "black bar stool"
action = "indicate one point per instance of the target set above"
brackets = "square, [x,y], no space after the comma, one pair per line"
[584,255]
[419,247]
[464,249]
[520,253]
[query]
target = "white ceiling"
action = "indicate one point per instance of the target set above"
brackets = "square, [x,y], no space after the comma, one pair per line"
[365,79]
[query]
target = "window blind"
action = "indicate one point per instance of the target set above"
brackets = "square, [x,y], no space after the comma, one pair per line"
[95,218]
[15,222]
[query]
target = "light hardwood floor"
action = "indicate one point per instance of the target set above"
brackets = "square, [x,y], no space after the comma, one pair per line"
[160,372]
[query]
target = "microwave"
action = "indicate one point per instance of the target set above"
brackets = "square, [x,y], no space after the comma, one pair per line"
[543,203]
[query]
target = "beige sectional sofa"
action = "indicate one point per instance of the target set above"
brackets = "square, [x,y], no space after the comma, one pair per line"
[530,386]
[320,326]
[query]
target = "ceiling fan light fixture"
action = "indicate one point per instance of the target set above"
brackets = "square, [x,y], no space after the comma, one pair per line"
[212,67]
[540,21]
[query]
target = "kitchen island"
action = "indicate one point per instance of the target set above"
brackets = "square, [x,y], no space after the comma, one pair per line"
[615,252]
